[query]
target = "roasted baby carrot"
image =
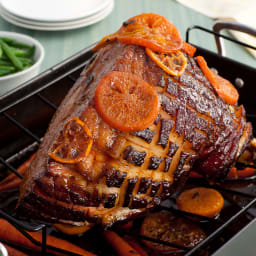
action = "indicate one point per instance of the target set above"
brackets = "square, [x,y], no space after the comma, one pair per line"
[13,181]
[201,201]
[119,244]
[222,86]
[11,234]
[134,244]
[247,172]
[193,174]
[189,49]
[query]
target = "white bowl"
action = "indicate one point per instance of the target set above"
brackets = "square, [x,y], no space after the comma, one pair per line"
[9,82]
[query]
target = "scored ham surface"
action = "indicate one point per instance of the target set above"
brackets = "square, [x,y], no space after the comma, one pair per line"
[127,173]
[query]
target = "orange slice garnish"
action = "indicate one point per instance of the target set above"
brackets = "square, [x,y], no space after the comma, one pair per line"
[149,30]
[126,102]
[152,31]
[222,86]
[174,63]
[73,143]
[202,201]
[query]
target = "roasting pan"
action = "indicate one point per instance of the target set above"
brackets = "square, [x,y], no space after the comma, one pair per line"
[24,117]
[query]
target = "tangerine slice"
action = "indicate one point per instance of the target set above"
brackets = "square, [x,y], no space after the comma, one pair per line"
[174,63]
[152,31]
[222,86]
[201,201]
[73,143]
[126,102]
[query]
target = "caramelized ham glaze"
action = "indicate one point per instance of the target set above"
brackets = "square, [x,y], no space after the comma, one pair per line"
[127,173]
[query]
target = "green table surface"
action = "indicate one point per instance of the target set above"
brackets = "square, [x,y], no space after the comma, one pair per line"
[60,45]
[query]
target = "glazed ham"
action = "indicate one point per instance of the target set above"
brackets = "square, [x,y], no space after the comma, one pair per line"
[126,173]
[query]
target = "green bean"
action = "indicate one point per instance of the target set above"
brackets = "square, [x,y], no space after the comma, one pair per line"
[30,52]
[10,54]
[6,40]
[21,45]
[9,68]
[15,43]
[5,62]
[26,60]
[22,59]
[5,72]
[27,66]
[23,53]
[4,57]
[14,56]
[18,52]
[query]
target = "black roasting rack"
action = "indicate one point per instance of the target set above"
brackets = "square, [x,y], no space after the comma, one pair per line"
[26,112]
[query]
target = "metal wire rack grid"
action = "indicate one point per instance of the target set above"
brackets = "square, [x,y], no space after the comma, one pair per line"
[61,72]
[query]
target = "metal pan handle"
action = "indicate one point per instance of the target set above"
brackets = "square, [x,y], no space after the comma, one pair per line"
[222,24]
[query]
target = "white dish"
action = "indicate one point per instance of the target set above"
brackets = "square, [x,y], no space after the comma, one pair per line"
[52,23]
[94,17]
[11,81]
[61,25]
[54,10]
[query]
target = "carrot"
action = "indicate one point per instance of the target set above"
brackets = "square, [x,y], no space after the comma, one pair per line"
[232,173]
[189,49]
[119,244]
[222,86]
[134,244]
[11,234]
[13,181]
[195,175]
[201,201]
[14,252]
[247,172]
